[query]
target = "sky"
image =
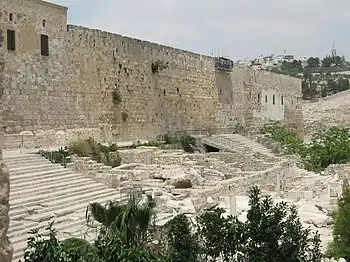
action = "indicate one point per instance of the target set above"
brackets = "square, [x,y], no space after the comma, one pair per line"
[239,29]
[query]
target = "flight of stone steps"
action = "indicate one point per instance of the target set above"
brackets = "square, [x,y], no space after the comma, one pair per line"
[42,192]
[235,143]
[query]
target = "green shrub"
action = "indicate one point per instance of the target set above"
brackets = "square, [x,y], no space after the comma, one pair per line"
[86,148]
[183,243]
[331,146]
[340,247]
[272,233]
[61,156]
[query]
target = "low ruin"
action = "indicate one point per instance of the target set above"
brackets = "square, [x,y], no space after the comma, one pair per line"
[5,245]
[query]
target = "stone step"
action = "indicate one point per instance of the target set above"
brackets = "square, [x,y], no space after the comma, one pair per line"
[56,205]
[41,173]
[42,183]
[78,216]
[38,178]
[61,207]
[62,185]
[28,163]
[10,159]
[54,195]
[33,169]
[20,241]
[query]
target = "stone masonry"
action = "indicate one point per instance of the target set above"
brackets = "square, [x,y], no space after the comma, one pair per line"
[111,87]
[5,245]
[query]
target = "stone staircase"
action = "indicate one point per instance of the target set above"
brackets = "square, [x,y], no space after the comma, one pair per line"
[42,192]
[235,143]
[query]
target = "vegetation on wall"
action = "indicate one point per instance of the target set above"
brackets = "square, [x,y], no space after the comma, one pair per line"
[96,151]
[272,233]
[331,146]
[124,116]
[61,156]
[158,66]
[116,96]
[107,155]
[181,141]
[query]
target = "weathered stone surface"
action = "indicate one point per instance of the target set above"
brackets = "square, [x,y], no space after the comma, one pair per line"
[5,245]
[101,85]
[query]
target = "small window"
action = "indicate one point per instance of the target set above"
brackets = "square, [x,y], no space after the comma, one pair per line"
[44,45]
[44,23]
[164,93]
[11,17]
[282,102]
[273,99]
[265,98]
[11,40]
[258,97]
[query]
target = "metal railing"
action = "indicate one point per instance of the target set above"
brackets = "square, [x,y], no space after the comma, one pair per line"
[51,156]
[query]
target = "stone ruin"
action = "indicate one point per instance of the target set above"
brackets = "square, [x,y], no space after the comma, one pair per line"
[189,183]
[5,245]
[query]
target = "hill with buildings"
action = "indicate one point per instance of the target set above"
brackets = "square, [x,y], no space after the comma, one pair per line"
[321,77]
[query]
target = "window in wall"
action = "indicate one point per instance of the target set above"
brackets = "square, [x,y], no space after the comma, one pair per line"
[265,98]
[258,97]
[273,99]
[282,102]
[11,40]
[44,23]
[44,45]
[11,17]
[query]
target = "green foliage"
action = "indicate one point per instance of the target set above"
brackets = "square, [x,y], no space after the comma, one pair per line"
[97,152]
[184,141]
[340,247]
[271,233]
[313,62]
[183,243]
[131,221]
[290,141]
[275,233]
[221,237]
[331,146]
[61,156]
[45,248]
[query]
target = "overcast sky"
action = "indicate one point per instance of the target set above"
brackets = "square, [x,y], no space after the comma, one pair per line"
[242,28]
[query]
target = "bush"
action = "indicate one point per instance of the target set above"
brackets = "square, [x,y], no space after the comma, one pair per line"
[61,156]
[290,141]
[183,243]
[272,233]
[86,148]
[331,146]
[340,247]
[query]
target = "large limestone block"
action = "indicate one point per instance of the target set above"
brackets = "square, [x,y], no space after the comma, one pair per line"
[5,245]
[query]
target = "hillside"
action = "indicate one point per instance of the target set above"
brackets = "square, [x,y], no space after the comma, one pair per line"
[328,111]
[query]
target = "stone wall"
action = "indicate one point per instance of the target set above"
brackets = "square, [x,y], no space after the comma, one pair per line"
[107,86]
[5,245]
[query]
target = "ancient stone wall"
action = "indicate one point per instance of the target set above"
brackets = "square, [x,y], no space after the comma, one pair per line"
[259,96]
[5,245]
[110,87]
